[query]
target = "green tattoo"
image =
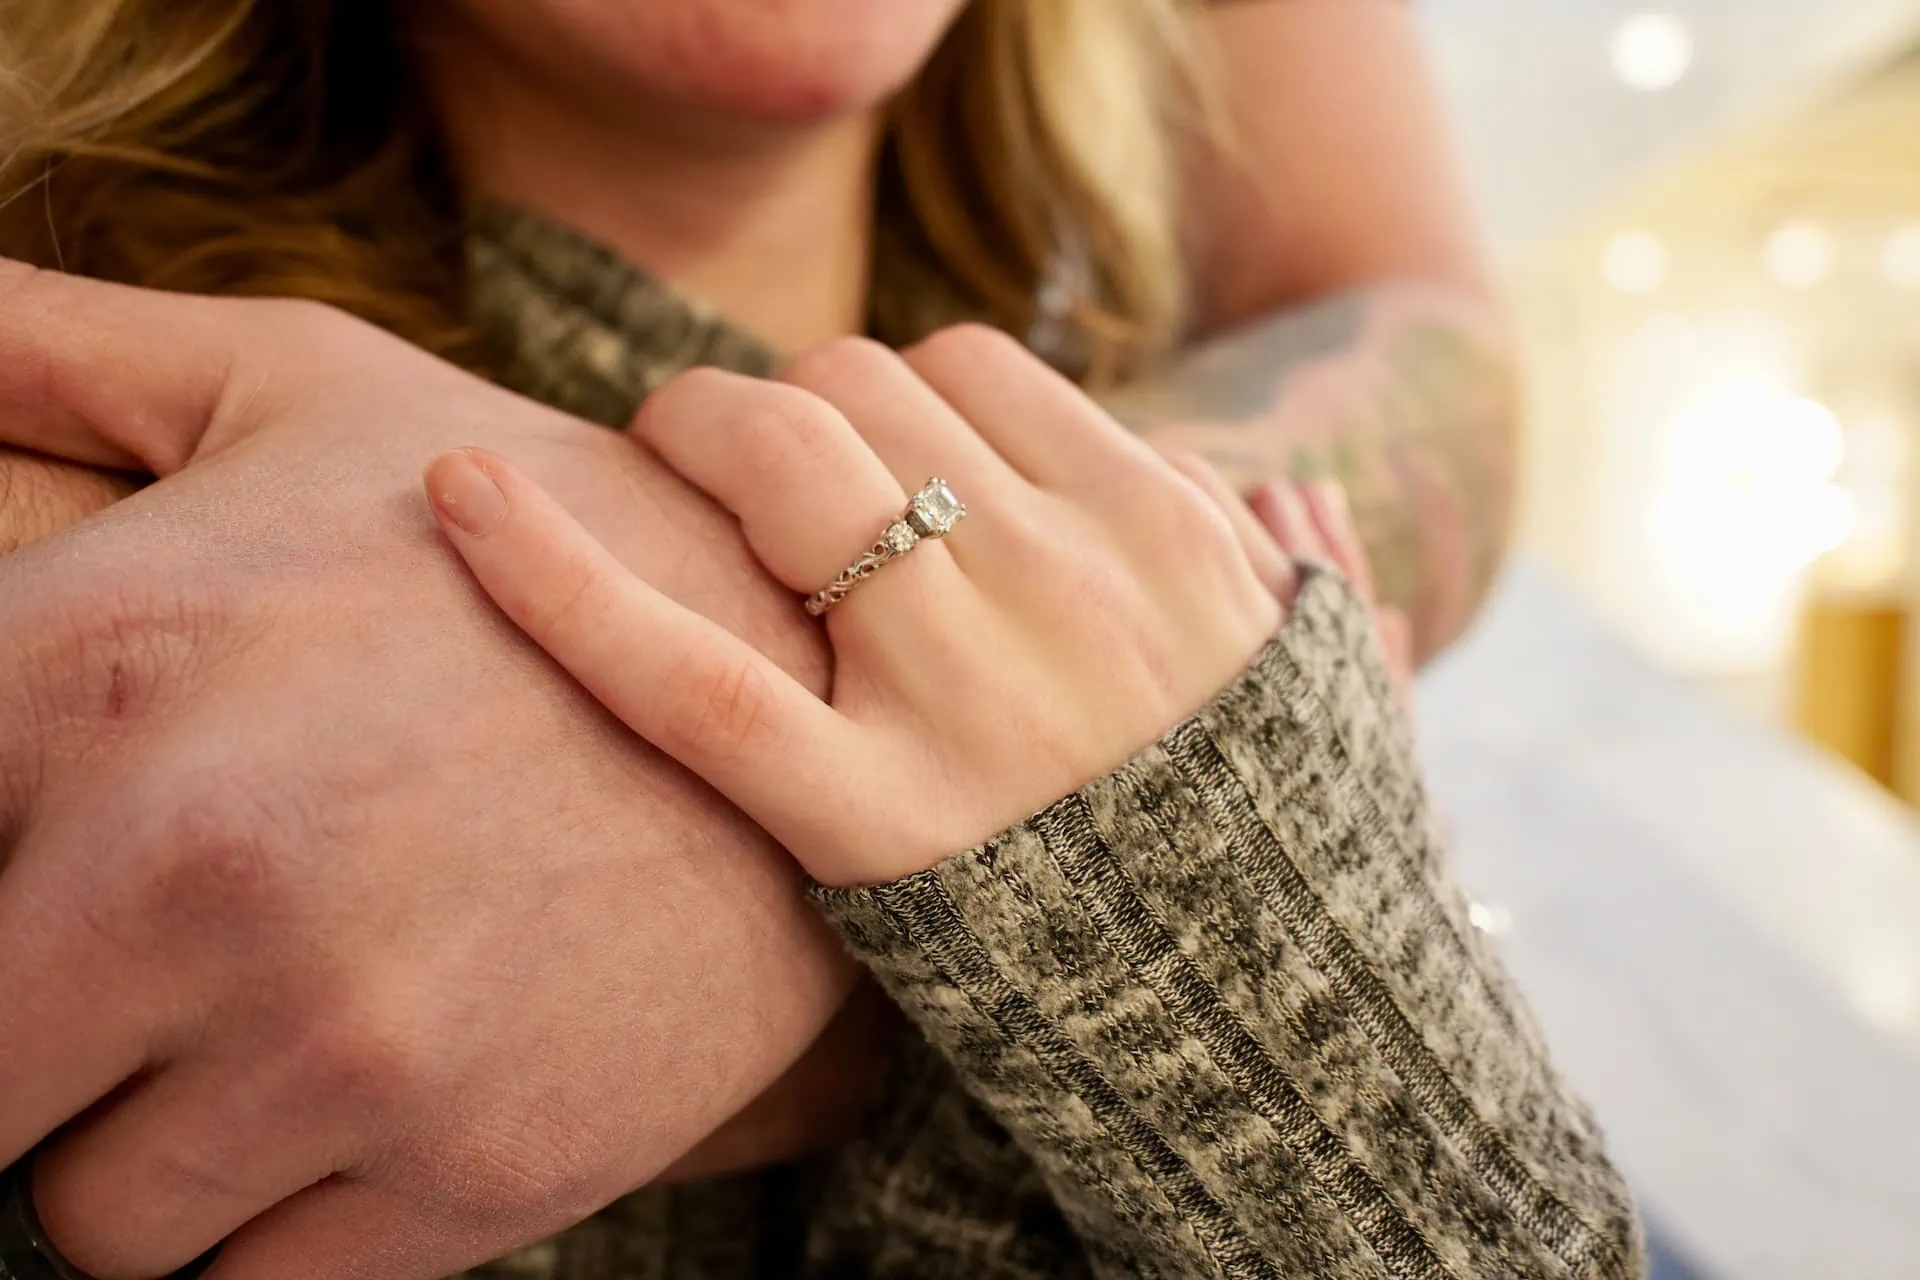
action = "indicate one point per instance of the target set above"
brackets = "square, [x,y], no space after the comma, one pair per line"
[1404,395]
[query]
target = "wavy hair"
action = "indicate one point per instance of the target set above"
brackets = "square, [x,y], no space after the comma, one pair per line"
[282,147]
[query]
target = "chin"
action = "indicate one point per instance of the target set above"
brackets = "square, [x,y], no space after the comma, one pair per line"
[779,61]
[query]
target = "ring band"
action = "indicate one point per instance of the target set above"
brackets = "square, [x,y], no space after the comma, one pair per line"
[931,513]
[25,1251]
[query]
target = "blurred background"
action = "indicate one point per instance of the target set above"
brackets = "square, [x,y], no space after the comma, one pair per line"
[1710,215]
[1683,750]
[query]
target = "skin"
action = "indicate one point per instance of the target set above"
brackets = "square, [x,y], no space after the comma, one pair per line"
[1106,600]
[338,888]
[1339,334]
[1112,597]
[1401,394]
[258,717]
[1391,368]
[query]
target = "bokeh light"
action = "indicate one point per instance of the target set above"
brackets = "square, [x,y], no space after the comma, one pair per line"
[1652,51]
[1635,263]
[1800,255]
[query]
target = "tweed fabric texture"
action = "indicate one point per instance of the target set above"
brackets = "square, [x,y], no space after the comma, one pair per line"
[1219,1014]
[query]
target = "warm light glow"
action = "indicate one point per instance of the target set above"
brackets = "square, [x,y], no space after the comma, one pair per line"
[1652,51]
[1875,477]
[1750,499]
[1900,259]
[1800,255]
[1754,439]
[1828,519]
[1688,566]
[1635,263]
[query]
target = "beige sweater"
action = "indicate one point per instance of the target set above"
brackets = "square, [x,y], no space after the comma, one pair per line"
[1220,1013]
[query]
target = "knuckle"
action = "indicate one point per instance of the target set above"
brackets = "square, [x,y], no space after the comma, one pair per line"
[836,363]
[792,432]
[721,710]
[1191,523]
[687,402]
[218,857]
[569,602]
[365,1064]
[970,346]
[1192,465]
[779,426]
[665,401]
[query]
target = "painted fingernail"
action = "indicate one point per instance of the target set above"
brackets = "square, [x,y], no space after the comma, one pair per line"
[463,492]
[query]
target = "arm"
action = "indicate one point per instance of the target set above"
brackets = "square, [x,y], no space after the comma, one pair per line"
[1262,1038]
[250,717]
[1347,327]
[1224,997]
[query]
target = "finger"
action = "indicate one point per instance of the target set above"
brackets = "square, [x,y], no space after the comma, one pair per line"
[681,682]
[1279,507]
[350,1230]
[1043,424]
[1333,518]
[114,376]
[74,1025]
[1270,563]
[903,420]
[809,493]
[177,1165]
[1395,630]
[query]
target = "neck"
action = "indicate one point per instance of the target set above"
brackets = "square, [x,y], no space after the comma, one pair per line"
[771,225]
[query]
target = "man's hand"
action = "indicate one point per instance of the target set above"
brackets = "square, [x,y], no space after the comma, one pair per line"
[335,919]
[41,496]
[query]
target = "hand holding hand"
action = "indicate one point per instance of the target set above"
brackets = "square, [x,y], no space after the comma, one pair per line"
[1091,600]
[334,920]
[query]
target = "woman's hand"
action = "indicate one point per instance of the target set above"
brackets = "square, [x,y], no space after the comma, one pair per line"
[1283,522]
[1092,599]
[1313,521]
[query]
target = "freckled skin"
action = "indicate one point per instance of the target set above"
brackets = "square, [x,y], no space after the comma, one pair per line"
[766,61]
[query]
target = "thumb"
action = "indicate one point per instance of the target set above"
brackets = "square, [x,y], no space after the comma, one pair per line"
[113,376]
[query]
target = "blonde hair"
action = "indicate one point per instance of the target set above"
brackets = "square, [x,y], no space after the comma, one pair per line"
[280,147]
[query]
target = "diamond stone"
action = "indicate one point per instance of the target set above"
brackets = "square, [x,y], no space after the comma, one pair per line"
[935,510]
[899,537]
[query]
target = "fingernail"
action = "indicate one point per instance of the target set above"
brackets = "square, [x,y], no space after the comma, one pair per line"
[1294,505]
[463,492]
[1334,494]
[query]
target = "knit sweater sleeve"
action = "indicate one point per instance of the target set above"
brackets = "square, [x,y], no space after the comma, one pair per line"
[1230,1005]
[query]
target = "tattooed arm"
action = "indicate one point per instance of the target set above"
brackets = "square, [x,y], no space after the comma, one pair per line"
[1348,327]
[1404,393]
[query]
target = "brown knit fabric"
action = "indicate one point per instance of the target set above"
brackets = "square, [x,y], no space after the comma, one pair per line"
[1217,1014]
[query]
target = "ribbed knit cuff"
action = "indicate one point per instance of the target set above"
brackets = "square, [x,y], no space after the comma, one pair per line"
[1233,975]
